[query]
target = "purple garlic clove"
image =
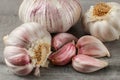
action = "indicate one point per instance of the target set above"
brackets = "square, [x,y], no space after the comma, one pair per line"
[63,55]
[87,64]
[61,39]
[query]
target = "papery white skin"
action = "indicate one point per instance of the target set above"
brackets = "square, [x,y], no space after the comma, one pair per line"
[55,15]
[64,55]
[25,41]
[107,27]
[87,64]
[61,39]
[90,45]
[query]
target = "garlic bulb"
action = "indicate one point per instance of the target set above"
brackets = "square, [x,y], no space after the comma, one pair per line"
[27,47]
[102,21]
[55,15]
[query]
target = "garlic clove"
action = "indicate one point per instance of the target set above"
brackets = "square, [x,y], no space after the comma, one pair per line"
[20,70]
[19,60]
[87,64]
[92,46]
[87,39]
[61,39]
[63,55]
[16,56]
[29,43]
[55,15]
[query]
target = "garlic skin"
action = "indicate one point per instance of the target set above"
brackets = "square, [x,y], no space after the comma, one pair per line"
[86,64]
[16,55]
[20,70]
[102,21]
[27,47]
[64,55]
[91,46]
[61,39]
[55,15]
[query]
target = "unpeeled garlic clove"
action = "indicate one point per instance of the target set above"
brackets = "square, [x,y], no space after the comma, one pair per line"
[20,70]
[61,39]
[16,55]
[92,46]
[87,64]
[63,55]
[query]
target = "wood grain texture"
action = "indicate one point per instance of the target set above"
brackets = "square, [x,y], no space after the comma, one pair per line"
[9,20]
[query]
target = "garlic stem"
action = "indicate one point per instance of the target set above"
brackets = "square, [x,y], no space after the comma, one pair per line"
[37,72]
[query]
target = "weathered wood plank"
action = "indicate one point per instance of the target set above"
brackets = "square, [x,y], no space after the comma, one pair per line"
[9,20]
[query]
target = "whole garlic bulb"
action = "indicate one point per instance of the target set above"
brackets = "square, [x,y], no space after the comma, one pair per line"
[102,21]
[55,15]
[27,47]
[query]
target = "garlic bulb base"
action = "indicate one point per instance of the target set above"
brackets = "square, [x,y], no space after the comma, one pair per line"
[39,51]
[101,9]
[102,21]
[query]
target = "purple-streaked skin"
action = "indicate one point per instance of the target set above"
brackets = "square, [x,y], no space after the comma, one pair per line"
[20,70]
[61,39]
[16,55]
[64,55]
[92,46]
[55,15]
[87,64]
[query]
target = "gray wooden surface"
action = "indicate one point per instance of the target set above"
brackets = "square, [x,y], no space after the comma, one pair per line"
[9,20]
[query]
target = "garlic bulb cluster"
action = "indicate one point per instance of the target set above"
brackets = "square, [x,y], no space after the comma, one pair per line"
[102,21]
[27,47]
[89,50]
[55,15]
